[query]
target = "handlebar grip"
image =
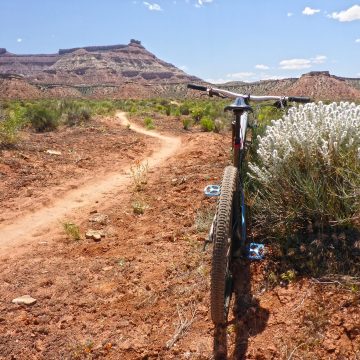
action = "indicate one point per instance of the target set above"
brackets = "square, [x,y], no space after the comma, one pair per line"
[299,99]
[197,87]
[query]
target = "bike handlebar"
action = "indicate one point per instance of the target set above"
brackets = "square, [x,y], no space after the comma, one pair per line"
[225,93]
[197,87]
[299,99]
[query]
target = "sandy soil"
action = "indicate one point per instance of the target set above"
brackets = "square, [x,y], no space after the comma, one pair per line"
[39,221]
[142,291]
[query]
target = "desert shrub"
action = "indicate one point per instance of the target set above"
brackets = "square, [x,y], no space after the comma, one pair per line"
[197,113]
[187,122]
[139,206]
[266,113]
[218,125]
[149,124]
[78,115]
[9,127]
[207,124]
[104,107]
[184,109]
[164,102]
[307,170]
[176,112]
[76,112]
[72,230]
[168,110]
[139,174]
[43,116]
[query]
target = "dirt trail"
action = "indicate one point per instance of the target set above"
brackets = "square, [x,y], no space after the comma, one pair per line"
[35,224]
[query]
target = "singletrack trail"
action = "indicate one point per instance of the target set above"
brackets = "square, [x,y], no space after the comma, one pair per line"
[73,204]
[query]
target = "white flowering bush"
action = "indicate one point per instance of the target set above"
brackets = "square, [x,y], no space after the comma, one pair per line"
[307,169]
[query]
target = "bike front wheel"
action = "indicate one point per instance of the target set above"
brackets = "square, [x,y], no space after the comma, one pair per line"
[224,238]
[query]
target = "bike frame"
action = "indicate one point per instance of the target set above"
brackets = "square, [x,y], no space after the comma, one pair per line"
[239,128]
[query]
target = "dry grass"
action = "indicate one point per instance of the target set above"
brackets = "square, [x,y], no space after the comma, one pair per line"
[139,175]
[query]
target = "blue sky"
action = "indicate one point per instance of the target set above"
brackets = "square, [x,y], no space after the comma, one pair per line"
[217,40]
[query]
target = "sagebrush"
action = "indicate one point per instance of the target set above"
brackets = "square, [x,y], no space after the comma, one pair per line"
[307,170]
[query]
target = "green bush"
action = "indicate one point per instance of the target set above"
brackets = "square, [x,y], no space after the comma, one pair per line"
[104,107]
[78,116]
[43,116]
[72,230]
[184,109]
[168,110]
[186,123]
[197,113]
[218,125]
[207,124]
[9,127]
[148,122]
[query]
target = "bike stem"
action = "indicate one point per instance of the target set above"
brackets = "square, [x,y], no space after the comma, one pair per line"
[237,142]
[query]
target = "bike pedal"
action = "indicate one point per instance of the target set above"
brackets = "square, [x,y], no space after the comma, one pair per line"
[256,251]
[212,190]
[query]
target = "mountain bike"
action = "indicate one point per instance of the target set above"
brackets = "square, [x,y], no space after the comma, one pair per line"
[228,232]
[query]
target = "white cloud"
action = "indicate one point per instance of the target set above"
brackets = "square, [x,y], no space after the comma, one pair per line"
[298,64]
[309,11]
[201,3]
[319,59]
[272,77]
[350,14]
[152,7]
[357,40]
[261,67]
[289,14]
[19,40]
[295,64]
[216,81]
[240,75]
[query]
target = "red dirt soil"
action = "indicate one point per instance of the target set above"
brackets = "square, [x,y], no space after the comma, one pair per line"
[142,292]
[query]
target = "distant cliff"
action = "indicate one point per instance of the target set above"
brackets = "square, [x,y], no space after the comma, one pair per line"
[113,71]
[319,85]
[93,65]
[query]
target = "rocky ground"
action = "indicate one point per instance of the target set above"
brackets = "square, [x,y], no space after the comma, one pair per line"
[141,290]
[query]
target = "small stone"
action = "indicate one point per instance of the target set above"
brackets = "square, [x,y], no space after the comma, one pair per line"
[99,218]
[24,300]
[53,152]
[94,234]
[107,268]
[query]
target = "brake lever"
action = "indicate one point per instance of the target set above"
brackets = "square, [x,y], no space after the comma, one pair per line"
[215,93]
[280,104]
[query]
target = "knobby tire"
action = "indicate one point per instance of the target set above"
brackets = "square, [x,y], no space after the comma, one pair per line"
[221,277]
